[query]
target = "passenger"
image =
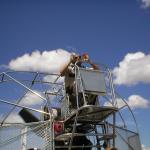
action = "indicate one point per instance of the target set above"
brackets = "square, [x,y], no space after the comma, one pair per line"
[85,57]
[90,98]
[69,74]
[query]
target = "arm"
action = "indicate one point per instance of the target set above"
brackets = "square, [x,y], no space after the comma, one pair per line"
[95,67]
[65,68]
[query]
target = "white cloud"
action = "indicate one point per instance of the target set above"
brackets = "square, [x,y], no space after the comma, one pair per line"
[52,78]
[31,99]
[145,148]
[12,118]
[134,101]
[145,3]
[47,61]
[134,68]
[119,101]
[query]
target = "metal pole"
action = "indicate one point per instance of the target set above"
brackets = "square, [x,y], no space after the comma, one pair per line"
[25,87]
[114,125]
[81,85]
[76,82]
[10,103]
[19,100]
[24,138]
[112,88]
[73,130]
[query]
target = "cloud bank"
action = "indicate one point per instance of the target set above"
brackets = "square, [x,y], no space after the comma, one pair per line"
[31,99]
[50,78]
[145,3]
[134,68]
[145,148]
[46,61]
[134,101]
[12,118]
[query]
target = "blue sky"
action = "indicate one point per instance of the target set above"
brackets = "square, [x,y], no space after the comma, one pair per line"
[107,30]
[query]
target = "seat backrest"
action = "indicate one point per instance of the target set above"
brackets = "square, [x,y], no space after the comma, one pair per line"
[93,81]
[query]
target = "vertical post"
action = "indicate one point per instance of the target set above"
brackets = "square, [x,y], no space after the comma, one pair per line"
[80,86]
[97,138]
[76,82]
[112,88]
[73,131]
[49,135]
[114,125]
[24,138]
[68,109]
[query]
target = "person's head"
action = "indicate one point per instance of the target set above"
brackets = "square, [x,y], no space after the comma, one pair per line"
[85,57]
[75,58]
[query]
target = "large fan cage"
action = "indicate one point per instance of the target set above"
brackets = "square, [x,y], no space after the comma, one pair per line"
[34,90]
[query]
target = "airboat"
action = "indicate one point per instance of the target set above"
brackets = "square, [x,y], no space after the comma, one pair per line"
[46,116]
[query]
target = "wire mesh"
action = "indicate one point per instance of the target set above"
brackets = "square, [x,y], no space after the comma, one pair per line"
[126,139]
[26,136]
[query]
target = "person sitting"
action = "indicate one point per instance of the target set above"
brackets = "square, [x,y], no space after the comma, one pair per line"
[69,74]
[90,98]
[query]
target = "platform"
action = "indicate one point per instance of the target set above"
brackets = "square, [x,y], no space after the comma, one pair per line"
[67,136]
[91,114]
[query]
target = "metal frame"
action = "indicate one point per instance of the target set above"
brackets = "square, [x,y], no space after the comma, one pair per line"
[27,89]
[111,96]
